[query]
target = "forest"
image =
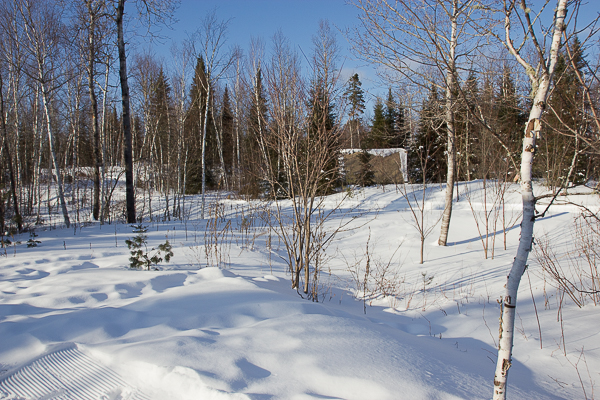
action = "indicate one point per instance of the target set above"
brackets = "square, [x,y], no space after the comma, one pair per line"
[81,111]
[97,133]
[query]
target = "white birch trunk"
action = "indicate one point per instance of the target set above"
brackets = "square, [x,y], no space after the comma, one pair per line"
[237,127]
[509,301]
[103,189]
[219,133]
[204,126]
[449,117]
[61,196]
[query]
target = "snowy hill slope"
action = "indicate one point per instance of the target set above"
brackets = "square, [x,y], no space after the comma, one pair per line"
[240,332]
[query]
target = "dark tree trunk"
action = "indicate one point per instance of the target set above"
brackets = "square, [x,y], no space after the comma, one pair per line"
[127,148]
[11,172]
[94,104]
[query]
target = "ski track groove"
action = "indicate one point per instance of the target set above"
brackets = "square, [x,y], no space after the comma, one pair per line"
[66,374]
[100,371]
[36,388]
[62,363]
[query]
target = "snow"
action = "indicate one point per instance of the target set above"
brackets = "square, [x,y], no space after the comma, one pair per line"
[376,152]
[76,322]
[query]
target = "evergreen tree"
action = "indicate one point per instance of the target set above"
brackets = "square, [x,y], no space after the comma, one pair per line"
[379,128]
[510,114]
[355,96]
[566,116]
[467,131]
[510,117]
[366,176]
[321,134]
[391,115]
[161,113]
[402,137]
[227,133]
[195,122]
[257,160]
[426,159]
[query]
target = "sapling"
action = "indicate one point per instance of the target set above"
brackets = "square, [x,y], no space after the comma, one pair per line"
[140,257]
[33,242]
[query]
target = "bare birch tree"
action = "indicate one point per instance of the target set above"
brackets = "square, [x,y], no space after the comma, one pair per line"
[11,169]
[539,68]
[13,58]
[209,42]
[301,151]
[180,75]
[423,42]
[94,18]
[43,27]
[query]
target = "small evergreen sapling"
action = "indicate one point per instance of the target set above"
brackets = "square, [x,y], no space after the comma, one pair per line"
[33,242]
[140,257]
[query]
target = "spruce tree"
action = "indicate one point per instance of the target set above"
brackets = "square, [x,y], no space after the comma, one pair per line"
[160,110]
[257,160]
[355,97]
[402,138]
[321,134]
[467,131]
[426,160]
[391,115]
[227,133]
[566,116]
[195,122]
[510,117]
[379,128]
[366,176]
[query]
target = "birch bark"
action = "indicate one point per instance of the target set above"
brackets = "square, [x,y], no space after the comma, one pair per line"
[92,15]
[541,83]
[204,126]
[13,185]
[451,134]
[43,30]
[59,183]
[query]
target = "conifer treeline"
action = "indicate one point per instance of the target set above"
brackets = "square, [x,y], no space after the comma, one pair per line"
[492,152]
[183,134]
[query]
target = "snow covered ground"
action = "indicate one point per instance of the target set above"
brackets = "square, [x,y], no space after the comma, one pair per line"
[77,323]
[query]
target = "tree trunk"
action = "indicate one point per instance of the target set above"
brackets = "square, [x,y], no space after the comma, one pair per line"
[94,104]
[204,127]
[13,184]
[509,302]
[219,137]
[104,197]
[449,117]
[237,128]
[61,196]
[128,147]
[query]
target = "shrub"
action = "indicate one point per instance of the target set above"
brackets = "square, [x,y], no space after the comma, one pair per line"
[140,257]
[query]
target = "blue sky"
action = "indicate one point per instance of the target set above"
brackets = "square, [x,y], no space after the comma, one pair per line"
[297,19]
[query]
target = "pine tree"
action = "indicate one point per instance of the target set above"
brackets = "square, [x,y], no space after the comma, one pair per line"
[565,117]
[161,112]
[227,133]
[256,161]
[321,135]
[391,115]
[402,138]
[355,97]
[467,132]
[510,116]
[195,122]
[378,137]
[426,160]
[366,176]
